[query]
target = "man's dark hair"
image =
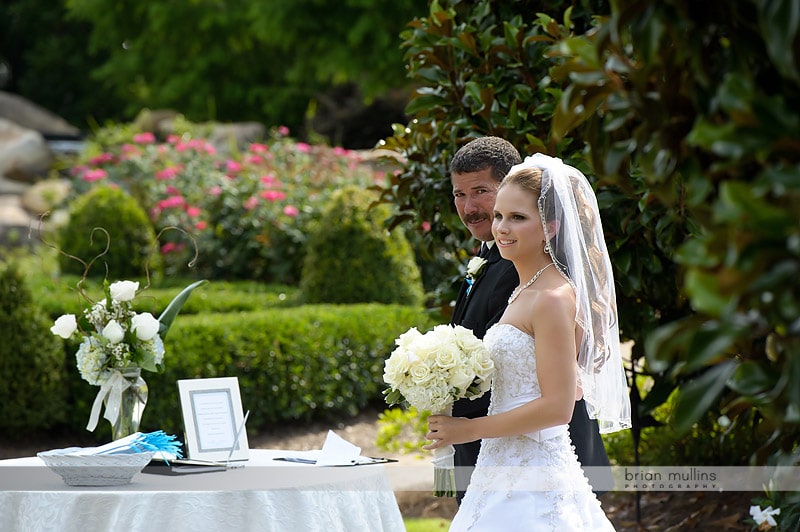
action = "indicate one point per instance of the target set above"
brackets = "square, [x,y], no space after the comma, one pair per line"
[486,152]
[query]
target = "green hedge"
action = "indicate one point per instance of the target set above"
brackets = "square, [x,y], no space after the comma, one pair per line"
[31,368]
[59,296]
[310,362]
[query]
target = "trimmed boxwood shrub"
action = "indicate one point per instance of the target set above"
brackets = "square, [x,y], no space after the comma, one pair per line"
[131,235]
[59,296]
[303,363]
[31,359]
[351,258]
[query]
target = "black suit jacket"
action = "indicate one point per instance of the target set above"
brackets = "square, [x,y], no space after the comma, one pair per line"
[478,311]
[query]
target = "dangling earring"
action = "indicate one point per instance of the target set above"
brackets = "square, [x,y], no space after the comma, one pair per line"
[546,247]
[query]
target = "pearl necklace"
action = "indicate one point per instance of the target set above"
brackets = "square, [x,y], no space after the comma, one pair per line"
[518,290]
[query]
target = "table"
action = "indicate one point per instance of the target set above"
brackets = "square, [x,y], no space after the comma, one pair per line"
[265,495]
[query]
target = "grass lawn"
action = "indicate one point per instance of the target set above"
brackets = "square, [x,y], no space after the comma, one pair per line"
[422,524]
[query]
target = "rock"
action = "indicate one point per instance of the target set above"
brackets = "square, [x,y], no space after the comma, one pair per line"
[8,186]
[45,196]
[12,212]
[161,122]
[17,227]
[158,121]
[24,154]
[241,133]
[29,115]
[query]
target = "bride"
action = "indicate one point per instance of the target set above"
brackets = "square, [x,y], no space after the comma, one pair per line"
[558,340]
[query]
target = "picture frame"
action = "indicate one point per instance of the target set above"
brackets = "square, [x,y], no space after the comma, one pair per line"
[213,420]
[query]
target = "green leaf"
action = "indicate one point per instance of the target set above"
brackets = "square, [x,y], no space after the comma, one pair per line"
[664,343]
[696,396]
[658,395]
[780,20]
[393,397]
[751,378]
[171,312]
[695,252]
[424,103]
[474,100]
[704,290]
[793,390]
[712,340]
[738,203]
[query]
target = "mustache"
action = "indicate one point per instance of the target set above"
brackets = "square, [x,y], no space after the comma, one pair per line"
[475,217]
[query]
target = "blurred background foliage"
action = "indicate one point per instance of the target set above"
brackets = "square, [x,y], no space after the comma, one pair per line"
[275,62]
[685,117]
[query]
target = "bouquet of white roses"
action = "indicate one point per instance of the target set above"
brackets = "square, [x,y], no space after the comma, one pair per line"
[116,338]
[431,371]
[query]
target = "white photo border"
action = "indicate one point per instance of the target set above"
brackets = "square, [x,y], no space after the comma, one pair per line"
[225,392]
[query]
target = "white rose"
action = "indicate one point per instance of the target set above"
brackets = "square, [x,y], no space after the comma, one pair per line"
[113,332]
[144,325]
[475,266]
[467,340]
[408,338]
[123,290]
[483,365]
[441,334]
[420,373]
[446,357]
[64,326]
[424,349]
[395,368]
[461,378]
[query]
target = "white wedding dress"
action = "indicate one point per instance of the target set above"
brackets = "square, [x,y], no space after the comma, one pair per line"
[529,482]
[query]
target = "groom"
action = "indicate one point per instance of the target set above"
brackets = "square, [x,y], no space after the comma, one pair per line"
[475,172]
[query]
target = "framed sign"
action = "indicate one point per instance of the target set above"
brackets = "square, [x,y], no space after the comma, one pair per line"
[213,420]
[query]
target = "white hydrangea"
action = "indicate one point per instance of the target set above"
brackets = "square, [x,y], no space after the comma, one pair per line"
[90,358]
[156,346]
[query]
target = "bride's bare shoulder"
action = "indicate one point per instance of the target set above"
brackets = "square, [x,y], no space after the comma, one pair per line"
[554,301]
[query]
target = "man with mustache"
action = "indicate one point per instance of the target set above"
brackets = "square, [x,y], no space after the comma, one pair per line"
[475,173]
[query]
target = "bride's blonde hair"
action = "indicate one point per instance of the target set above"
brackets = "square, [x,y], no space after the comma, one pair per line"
[577,247]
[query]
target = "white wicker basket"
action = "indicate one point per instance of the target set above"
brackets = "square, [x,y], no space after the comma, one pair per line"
[94,469]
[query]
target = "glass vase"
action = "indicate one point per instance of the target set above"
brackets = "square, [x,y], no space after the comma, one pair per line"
[134,399]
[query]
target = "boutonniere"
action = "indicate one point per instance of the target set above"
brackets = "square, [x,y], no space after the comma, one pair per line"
[475,267]
[474,270]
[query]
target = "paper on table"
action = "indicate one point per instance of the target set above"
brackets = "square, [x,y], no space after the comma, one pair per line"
[338,451]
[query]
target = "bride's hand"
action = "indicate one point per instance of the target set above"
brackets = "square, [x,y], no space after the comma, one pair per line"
[446,430]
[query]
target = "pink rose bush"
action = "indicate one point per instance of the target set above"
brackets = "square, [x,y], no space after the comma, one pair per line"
[247,211]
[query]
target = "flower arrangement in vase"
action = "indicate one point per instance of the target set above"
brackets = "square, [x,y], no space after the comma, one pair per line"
[118,343]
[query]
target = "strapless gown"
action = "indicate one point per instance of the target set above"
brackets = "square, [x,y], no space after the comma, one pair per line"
[528,482]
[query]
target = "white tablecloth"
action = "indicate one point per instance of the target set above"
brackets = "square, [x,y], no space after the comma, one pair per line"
[265,495]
